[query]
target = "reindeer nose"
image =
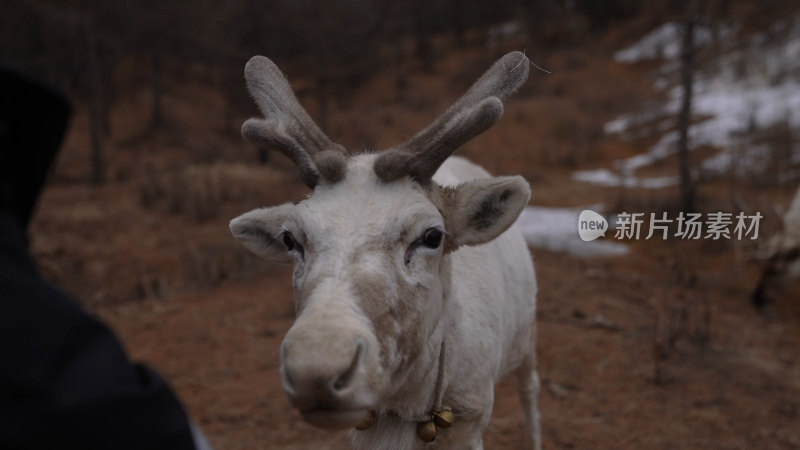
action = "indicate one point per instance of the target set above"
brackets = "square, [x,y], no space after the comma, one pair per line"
[315,377]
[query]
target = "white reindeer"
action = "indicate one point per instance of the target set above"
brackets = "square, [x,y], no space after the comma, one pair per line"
[780,259]
[414,294]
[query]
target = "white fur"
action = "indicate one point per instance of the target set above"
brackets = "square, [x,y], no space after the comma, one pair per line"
[781,264]
[488,323]
[412,294]
[352,286]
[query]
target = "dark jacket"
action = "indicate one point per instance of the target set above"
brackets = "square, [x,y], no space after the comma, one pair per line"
[65,381]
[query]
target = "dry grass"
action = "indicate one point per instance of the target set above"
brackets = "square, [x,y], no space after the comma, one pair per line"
[198,191]
[151,251]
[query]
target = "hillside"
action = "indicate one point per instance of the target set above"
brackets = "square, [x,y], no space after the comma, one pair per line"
[657,349]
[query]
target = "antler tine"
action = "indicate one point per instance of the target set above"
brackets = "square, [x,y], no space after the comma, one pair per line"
[287,127]
[475,112]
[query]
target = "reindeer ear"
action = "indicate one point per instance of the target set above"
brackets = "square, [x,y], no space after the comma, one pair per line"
[260,229]
[480,210]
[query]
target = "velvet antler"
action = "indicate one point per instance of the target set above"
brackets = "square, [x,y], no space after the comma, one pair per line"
[287,127]
[471,115]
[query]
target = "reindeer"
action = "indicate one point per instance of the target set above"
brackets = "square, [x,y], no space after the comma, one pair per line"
[414,294]
[781,258]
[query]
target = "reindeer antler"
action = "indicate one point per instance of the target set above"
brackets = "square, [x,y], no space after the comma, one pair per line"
[287,127]
[471,115]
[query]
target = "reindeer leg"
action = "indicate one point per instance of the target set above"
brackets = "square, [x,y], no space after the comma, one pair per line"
[528,385]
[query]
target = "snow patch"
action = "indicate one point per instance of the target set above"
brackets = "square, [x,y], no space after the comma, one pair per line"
[605,177]
[748,86]
[556,229]
[665,42]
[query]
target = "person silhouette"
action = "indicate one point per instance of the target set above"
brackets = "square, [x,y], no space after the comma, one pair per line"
[65,380]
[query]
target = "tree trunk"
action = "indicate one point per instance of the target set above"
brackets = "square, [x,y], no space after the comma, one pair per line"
[423,39]
[687,79]
[95,107]
[105,106]
[156,89]
[263,155]
[322,100]
[459,27]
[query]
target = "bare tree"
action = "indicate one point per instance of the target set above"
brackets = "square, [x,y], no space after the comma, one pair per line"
[157,91]
[423,35]
[96,106]
[687,80]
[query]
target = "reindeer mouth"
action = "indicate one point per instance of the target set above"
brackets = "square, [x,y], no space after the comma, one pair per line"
[334,419]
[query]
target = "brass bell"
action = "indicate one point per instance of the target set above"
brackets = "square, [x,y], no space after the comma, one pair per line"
[444,419]
[426,431]
[368,421]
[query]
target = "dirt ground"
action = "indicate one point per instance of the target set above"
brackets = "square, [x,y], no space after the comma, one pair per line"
[596,322]
[152,256]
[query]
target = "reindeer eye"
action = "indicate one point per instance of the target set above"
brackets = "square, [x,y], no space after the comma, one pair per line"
[432,238]
[291,243]
[288,241]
